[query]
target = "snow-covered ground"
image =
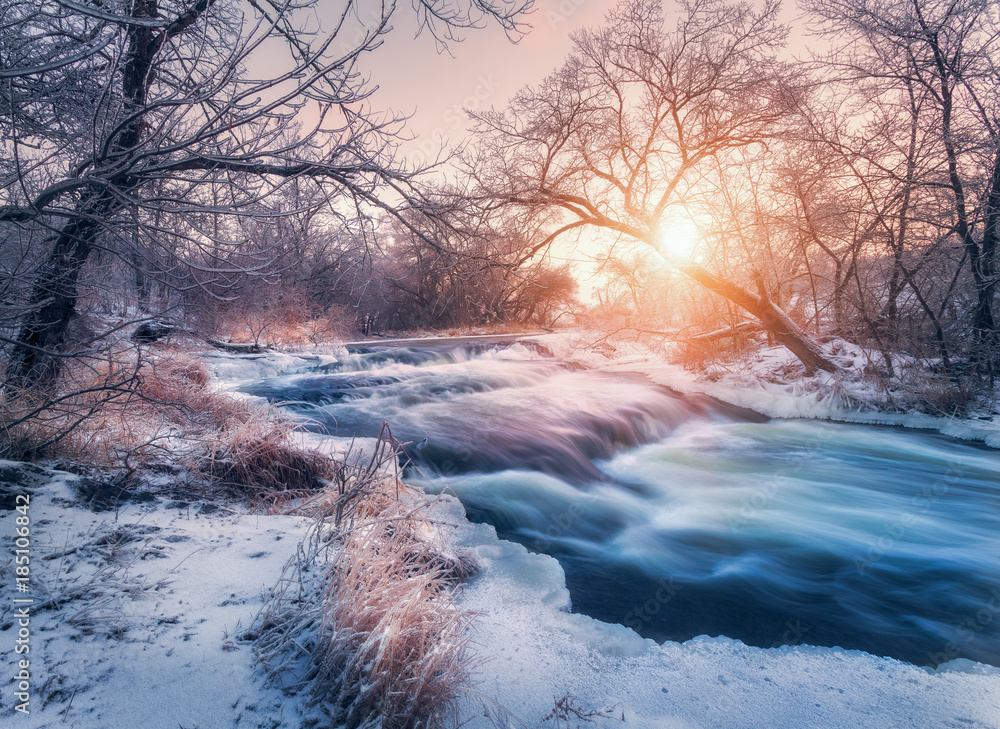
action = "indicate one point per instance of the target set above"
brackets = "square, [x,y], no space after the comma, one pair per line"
[157,594]
[135,612]
[154,596]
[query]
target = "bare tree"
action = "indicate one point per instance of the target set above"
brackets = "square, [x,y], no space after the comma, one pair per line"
[130,122]
[467,265]
[935,183]
[639,121]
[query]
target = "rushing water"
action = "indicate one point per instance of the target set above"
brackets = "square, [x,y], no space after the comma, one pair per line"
[680,516]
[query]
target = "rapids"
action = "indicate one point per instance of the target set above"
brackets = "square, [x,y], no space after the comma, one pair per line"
[680,516]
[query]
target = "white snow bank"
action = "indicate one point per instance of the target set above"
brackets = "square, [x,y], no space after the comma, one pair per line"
[143,638]
[779,400]
[156,595]
[535,652]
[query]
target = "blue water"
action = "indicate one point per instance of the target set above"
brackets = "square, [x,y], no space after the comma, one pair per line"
[680,516]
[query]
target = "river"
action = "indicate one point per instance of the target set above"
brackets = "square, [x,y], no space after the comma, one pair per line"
[681,516]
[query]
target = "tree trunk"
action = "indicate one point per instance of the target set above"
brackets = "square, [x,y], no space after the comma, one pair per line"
[33,366]
[775,321]
[987,277]
[744,327]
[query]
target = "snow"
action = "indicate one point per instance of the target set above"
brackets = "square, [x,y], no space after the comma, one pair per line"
[151,646]
[149,634]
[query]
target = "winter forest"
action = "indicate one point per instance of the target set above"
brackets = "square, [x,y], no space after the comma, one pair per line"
[723,229]
[151,170]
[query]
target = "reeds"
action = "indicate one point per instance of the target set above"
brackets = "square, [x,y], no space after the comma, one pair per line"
[390,644]
[366,614]
[256,457]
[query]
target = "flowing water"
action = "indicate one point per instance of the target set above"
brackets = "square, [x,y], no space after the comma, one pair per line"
[681,516]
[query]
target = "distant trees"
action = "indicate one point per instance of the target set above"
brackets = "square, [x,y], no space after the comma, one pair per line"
[142,131]
[466,265]
[918,144]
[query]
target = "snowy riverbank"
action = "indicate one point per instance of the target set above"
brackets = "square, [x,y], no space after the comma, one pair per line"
[157,593]
[154,596]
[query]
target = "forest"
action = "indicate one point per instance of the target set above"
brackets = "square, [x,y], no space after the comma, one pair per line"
[152,174]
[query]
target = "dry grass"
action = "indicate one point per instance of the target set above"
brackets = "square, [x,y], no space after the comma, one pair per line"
[368,606]
[356,490]
[89,588]
[366,615]
[288,323]
[568,710]
[255,456]
[135,409]
[93,392]
[390,643]
[918,387]
[333,327]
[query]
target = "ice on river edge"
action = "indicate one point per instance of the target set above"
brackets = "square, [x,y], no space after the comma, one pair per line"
[535,651]
[165,651]
[172,664]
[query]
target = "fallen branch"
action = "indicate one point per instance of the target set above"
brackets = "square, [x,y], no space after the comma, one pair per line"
[744,327]
[237,347]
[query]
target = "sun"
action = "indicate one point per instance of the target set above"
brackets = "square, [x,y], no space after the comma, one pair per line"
[677,238]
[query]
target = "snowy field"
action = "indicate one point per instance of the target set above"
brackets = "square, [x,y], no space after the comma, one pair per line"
[136,611]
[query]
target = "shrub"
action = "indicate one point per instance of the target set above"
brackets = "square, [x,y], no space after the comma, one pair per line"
[256,456]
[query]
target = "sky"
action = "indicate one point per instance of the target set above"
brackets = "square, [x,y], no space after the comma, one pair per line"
[483,70]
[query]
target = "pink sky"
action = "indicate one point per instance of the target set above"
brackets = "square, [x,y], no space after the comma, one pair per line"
[483,70]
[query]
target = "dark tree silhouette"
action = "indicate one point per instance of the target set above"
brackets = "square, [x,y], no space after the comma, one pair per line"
[129,121]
